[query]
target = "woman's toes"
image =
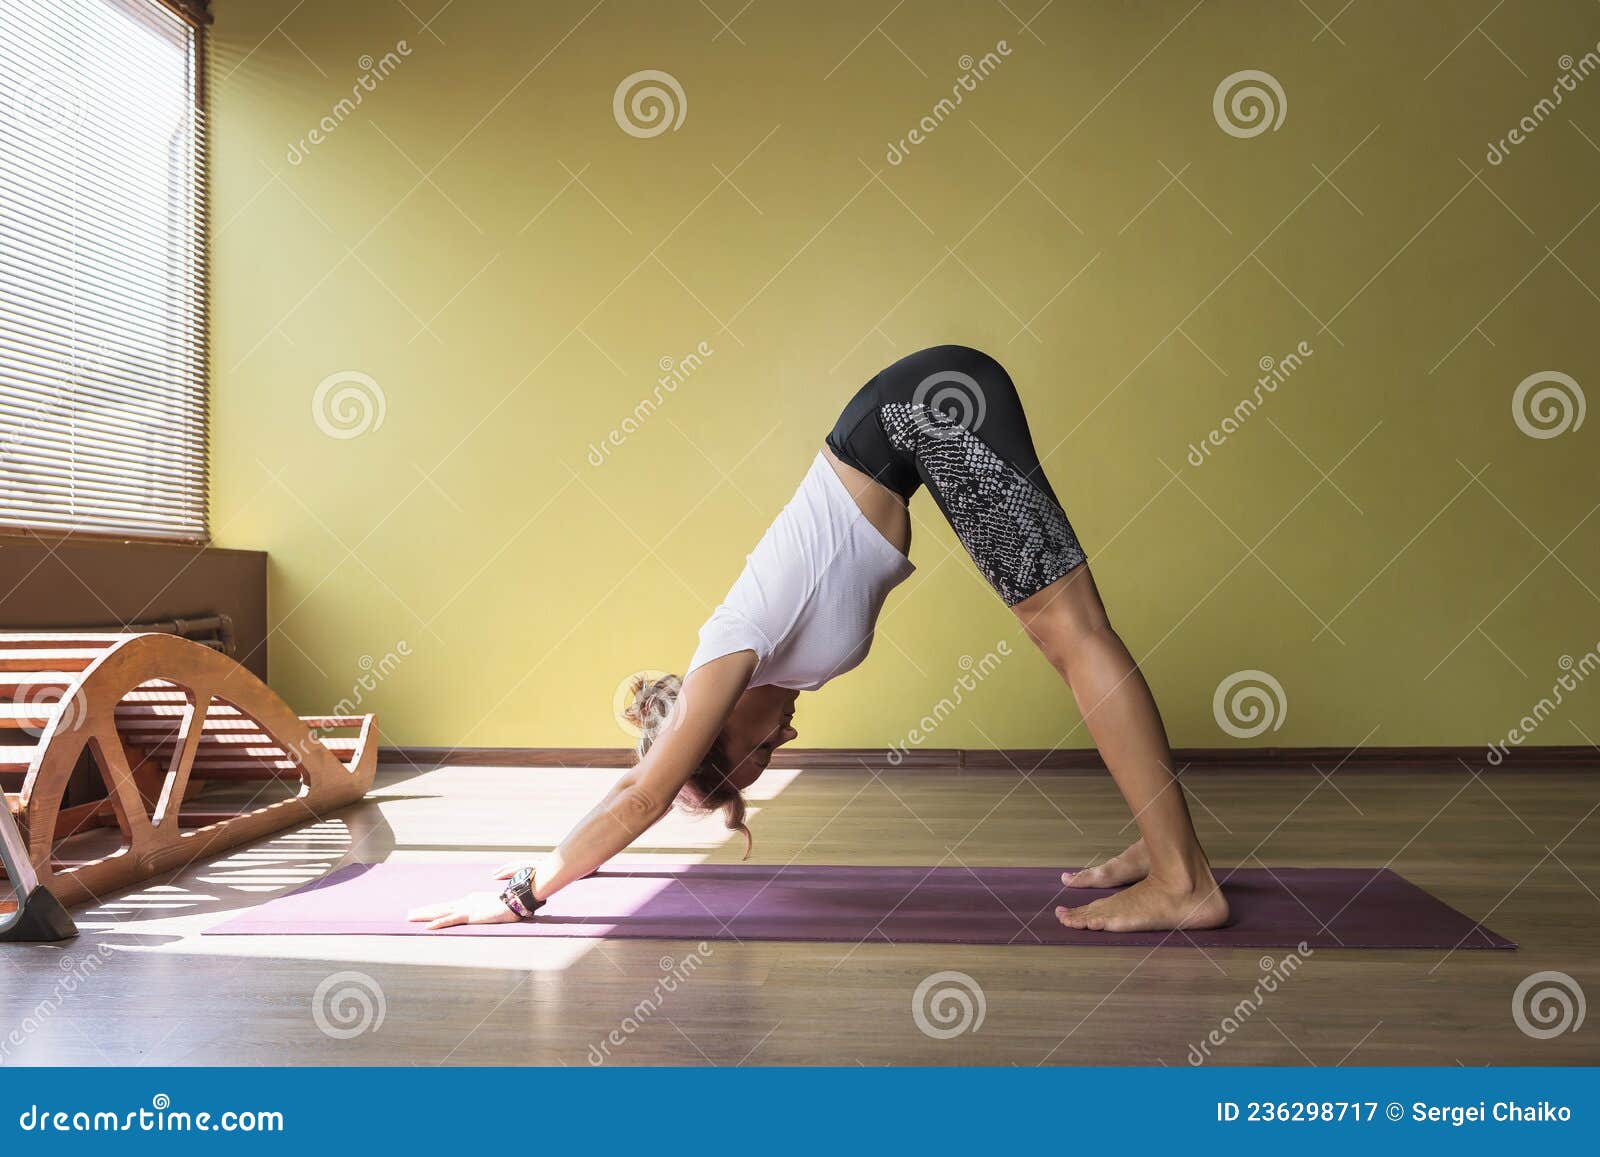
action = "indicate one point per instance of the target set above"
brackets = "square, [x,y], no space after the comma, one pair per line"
[1147,908]
[1099,876]
[1127,868]
[1085,917]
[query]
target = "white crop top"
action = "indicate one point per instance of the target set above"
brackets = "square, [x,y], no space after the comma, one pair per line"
[808,598]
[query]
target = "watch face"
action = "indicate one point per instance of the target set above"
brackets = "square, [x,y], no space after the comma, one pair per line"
[522,877]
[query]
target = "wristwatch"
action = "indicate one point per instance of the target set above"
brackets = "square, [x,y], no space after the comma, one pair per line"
[518,895]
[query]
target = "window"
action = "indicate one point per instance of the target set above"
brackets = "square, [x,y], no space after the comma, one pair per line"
[102,270]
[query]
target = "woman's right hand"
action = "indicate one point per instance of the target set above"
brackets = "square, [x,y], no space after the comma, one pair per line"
[506,871]
[473,908]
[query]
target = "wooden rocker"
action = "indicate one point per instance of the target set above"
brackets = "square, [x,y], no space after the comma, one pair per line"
[158,715]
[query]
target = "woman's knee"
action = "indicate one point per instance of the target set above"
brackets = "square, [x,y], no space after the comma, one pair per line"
[1065,643]
[1066,618]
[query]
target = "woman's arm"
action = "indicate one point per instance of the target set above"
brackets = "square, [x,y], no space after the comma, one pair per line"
[633,803]
[645,794]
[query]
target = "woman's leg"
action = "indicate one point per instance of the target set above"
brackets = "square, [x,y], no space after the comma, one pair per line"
[951,416]
[1172,882]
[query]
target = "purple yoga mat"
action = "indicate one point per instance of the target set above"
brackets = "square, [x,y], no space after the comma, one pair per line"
[1272,908]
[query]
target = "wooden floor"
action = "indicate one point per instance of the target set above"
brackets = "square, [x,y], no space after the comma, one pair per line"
[1520,849]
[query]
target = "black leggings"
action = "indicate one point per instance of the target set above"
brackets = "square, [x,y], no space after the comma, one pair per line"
[949,418]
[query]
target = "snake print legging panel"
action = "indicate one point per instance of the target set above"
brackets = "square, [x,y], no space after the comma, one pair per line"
[949,418]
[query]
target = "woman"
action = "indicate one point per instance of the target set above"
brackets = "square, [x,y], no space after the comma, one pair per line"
[803,611]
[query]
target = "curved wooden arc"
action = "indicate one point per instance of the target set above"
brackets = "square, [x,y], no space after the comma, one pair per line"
[147,784]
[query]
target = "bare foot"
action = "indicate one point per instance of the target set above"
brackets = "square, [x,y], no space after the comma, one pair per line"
[1149,906]
[1131,866]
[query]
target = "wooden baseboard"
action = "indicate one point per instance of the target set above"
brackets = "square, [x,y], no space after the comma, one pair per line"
[1030,760]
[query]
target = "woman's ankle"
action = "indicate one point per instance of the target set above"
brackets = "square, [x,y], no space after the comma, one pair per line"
[1184,871]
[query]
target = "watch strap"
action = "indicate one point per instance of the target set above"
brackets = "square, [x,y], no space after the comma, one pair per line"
[518,895]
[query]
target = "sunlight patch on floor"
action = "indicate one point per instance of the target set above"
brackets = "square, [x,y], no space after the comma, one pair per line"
[457,815]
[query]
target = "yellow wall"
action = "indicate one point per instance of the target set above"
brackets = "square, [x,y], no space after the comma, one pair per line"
[482,239]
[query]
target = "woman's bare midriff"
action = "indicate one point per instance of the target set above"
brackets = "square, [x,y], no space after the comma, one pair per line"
[879,505]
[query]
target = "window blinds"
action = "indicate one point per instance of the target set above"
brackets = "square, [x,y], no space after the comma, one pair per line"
[102,270]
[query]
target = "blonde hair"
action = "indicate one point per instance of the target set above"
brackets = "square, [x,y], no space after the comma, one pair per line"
[708,789]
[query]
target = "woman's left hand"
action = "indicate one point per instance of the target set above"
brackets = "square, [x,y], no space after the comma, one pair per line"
[473,908]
